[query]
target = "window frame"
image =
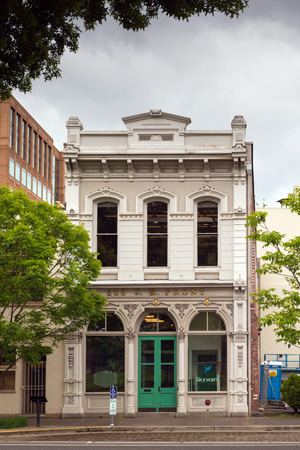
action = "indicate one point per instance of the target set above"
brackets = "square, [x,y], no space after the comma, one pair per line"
[3,366]
[208,333]
[218,234]
[105,334]
[146,203]
[99,202]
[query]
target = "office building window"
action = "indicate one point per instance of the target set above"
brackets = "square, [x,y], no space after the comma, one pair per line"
[44,159]
[107,237]
[28,180]
[11,167]
[44,193]
[18,124]
[34,185]
[23,176]
[29,130]
[49,163]
[39,189]
[12,128]
[23,139]
[34,150]
[157,234]
[207,233]
[39,154]
[17,174]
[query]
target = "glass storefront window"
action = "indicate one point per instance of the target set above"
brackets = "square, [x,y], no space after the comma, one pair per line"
[104,363]
[105,354]
[207,363]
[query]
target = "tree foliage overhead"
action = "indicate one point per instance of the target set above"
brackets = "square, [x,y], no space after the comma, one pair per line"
[45,272]
[35,33]
[282,257]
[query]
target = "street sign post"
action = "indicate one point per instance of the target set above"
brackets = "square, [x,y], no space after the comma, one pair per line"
[113,403]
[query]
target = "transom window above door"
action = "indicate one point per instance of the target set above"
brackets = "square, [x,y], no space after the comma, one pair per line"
[157,322]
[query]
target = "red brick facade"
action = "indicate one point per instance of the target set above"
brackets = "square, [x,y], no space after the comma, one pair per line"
[28,158]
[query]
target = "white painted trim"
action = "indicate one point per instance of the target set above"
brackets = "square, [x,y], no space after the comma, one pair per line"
[207,193]
[156,193]
[104,194]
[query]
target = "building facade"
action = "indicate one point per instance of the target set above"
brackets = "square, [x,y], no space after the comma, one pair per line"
[166,209]
[28,158]
[286,222]
[30,161]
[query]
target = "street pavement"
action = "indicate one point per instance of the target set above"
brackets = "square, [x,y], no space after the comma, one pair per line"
[159,428]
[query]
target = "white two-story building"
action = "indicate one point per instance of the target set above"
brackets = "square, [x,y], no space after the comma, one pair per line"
[166,209]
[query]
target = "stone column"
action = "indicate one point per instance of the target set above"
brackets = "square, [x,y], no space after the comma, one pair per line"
[181,381]
[73,389]
[130,380]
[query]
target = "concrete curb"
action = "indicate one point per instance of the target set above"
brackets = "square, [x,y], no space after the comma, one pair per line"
[154,429]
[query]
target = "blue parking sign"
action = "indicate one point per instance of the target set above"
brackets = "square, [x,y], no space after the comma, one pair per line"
[113,392]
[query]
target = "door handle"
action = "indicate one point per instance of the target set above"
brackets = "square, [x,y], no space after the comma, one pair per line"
[158,388]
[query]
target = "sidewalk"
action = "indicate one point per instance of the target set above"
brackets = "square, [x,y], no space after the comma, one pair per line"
[162,423]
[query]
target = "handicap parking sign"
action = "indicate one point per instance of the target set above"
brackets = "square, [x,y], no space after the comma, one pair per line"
[113,392]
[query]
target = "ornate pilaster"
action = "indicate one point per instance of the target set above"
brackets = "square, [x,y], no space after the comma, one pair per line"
[181,394]
[130,380]
[73,381]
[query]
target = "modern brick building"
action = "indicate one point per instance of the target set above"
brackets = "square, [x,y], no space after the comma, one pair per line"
[28,158]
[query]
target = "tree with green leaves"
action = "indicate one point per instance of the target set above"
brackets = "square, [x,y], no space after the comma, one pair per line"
[281,257]
[35,33]
[45,272]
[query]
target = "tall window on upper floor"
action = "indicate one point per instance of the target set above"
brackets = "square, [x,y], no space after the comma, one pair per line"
[107,233]
[157,234]
[18,125]
[12,128]
[207,233]
[23,138]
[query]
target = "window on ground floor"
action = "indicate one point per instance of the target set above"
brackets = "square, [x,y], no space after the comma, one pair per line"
[105,354]
[207,353]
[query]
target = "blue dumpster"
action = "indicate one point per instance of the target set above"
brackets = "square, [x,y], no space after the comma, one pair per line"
[274,379]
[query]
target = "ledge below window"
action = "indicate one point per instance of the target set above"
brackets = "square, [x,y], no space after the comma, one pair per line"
[207,273]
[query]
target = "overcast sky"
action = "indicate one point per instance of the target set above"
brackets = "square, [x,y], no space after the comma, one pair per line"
[209,69]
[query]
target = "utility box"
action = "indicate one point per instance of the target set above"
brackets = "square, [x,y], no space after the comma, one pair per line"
[272,371]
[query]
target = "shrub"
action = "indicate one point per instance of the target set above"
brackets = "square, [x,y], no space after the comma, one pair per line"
[13,422]
[290,391]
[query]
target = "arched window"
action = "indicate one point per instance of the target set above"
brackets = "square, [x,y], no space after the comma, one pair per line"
[157,234]
[157,322]
[207,353]
[107,233]
[105,354]
[207,233]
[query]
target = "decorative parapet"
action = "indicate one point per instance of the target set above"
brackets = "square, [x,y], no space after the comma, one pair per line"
[74,127]
[238,125]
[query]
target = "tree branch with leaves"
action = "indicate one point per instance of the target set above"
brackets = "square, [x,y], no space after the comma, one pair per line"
[34,34]
[281,258]
[46,269]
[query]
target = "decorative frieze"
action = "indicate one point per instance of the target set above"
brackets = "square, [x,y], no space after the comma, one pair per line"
[130,309]
[181,308]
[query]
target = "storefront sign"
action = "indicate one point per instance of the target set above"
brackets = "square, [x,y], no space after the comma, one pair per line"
[171,292]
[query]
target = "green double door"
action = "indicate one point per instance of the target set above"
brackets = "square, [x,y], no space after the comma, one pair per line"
[157,374]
